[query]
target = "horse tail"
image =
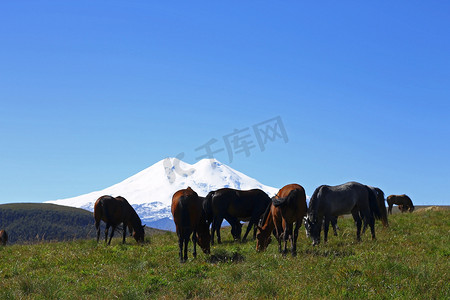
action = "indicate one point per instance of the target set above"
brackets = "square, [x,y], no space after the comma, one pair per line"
[382,207]
[207,207]
[277,201]
[373,204]
[185,218]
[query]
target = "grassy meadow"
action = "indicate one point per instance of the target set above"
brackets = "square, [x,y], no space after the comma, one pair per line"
[409,260]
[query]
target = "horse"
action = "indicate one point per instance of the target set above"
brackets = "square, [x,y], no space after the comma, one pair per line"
[350,197]
[114,211]
[403,200]
[288,207]
[189,218]
[3,237]
[234,206]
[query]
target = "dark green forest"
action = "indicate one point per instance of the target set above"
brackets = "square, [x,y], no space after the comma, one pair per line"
[36,222]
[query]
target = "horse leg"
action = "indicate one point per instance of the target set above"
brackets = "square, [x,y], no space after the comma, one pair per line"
[279,235]
[334,225]
[111,235]
[249,227]
[326,227]
[180,245]
[194,241]
[287,236]
[106,232]
[124,233]
[186,241]
[372,226]
[358,222]
[97,226]
[213,228]
[390,208]
[218,225]
[295,237]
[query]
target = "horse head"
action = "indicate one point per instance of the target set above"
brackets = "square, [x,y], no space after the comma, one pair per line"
[204,239]
[139,234]
[312,229]
[236,231]
[262,241]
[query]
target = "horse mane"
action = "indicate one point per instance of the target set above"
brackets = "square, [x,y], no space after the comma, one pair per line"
[265,214]
[135,220]
[313,202]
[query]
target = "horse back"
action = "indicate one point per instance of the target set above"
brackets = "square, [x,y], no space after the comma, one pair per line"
[341,199]
[110,210]
[290,201]
[248,203]
[186,209]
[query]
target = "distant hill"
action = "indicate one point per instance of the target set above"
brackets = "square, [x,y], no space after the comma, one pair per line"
[37,222]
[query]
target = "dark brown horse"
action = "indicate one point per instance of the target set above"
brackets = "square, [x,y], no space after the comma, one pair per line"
[234,206]
[189,218]
[114,211]
[3,237]
[403,200]
[288,207]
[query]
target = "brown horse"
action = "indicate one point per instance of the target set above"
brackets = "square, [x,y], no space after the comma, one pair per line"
[3,237]
[234,206]
[189,218]
[114,211]
[403,200]
[288,207]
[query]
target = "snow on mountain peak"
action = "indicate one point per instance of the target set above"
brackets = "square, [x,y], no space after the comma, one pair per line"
[150,191]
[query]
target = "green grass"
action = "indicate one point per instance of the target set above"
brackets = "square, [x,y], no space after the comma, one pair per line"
[409,260]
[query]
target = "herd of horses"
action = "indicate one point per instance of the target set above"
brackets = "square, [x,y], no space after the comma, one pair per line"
[280,216]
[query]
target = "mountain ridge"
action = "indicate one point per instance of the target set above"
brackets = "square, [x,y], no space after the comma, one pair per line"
[150,190]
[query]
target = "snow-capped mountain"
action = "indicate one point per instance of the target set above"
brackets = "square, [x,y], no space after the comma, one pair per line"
[150,191]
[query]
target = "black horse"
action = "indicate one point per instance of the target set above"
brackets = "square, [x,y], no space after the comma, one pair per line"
[235,206]
[351,197]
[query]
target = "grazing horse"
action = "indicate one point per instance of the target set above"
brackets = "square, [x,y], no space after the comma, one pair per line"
[234,206]
[114,211]
[288,207]
[403,200]
[3,237]
[189,218]
[351,197]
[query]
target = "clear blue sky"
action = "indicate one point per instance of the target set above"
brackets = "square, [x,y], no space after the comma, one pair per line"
[94,91]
